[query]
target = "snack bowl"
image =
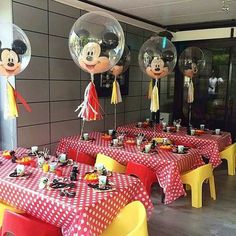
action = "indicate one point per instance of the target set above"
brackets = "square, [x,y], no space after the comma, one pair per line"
[199,131]
[25,161]
[6,154]
[130,142]
[166,147]
[91,177]
[106,137]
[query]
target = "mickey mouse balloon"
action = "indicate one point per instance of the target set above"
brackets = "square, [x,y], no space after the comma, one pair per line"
[123,64]
[157,57]
[15,50]
[15,53]
[96,42]
[191,61]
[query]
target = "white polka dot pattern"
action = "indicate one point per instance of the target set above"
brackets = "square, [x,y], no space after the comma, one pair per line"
[167,165]
[209,145]
[89,213]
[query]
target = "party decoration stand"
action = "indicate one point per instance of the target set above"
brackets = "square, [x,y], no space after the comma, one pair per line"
[15,54]
[157,58]
[117,70]
[96,43]
[191,62]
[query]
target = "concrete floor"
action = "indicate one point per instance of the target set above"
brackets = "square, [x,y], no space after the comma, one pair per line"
[215,218]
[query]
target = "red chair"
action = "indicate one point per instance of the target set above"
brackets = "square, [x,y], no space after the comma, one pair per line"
[22,225]
[81,157]
[146,175]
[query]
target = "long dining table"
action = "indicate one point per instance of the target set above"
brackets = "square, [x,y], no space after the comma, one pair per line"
[168,166]
[208,144]
[87,214]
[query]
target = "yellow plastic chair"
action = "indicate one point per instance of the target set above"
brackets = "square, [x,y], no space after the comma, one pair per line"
[195,178]
[4,207]
[110,164]
[229,154]
[130,221]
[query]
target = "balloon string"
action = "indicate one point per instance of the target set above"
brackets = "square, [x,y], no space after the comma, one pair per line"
[92,77]
[115,113]
[82,128]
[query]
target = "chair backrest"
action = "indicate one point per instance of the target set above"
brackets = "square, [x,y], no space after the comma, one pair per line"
[72,154]
[4,207]
[21,225]
[130,221]
[146,175]
[110,164]
[138,170]
[203,172]
[81,157]
[229,151]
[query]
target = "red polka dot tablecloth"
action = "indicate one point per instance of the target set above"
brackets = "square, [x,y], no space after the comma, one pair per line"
[167,165]
[88,214]
[208,144]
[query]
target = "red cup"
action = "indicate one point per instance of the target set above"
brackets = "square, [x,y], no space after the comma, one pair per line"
[58,172]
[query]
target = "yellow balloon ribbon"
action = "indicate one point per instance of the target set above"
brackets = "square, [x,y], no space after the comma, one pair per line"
[190,92]
[13,111]
[116,94]
[150,90]
[155,99]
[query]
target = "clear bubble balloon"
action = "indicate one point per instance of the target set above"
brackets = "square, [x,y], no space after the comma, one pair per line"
[15,50]
[192,61]
[96,42]
[123,64]
[157,57]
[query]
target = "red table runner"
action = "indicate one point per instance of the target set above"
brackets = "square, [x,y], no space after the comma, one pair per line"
[208,144]
[89,213]
[167,165]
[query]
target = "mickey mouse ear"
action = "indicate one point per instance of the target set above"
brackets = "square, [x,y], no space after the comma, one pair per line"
[168,56]
[109,41]
[19,47]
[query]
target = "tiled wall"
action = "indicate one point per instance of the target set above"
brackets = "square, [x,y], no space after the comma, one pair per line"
[52,83]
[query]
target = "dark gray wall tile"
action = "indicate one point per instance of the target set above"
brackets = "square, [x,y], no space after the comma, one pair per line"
[134,41]
[145,114]
[64,90]
[33,90]
[132,103]
[35,19]
[33,135]
[145,102]
[59,47]
[36,3]
[64,128]
[135,73]
[134,58]
[37,69]
[64,70]
[60,25]
[135,88]
[64,9]
[64,110]
[109,108]
[134,30]
[91,126]
[39,43]
[132,116]
[39,114]
[110,121]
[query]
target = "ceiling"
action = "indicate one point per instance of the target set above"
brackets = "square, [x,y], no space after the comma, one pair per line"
[173,12]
